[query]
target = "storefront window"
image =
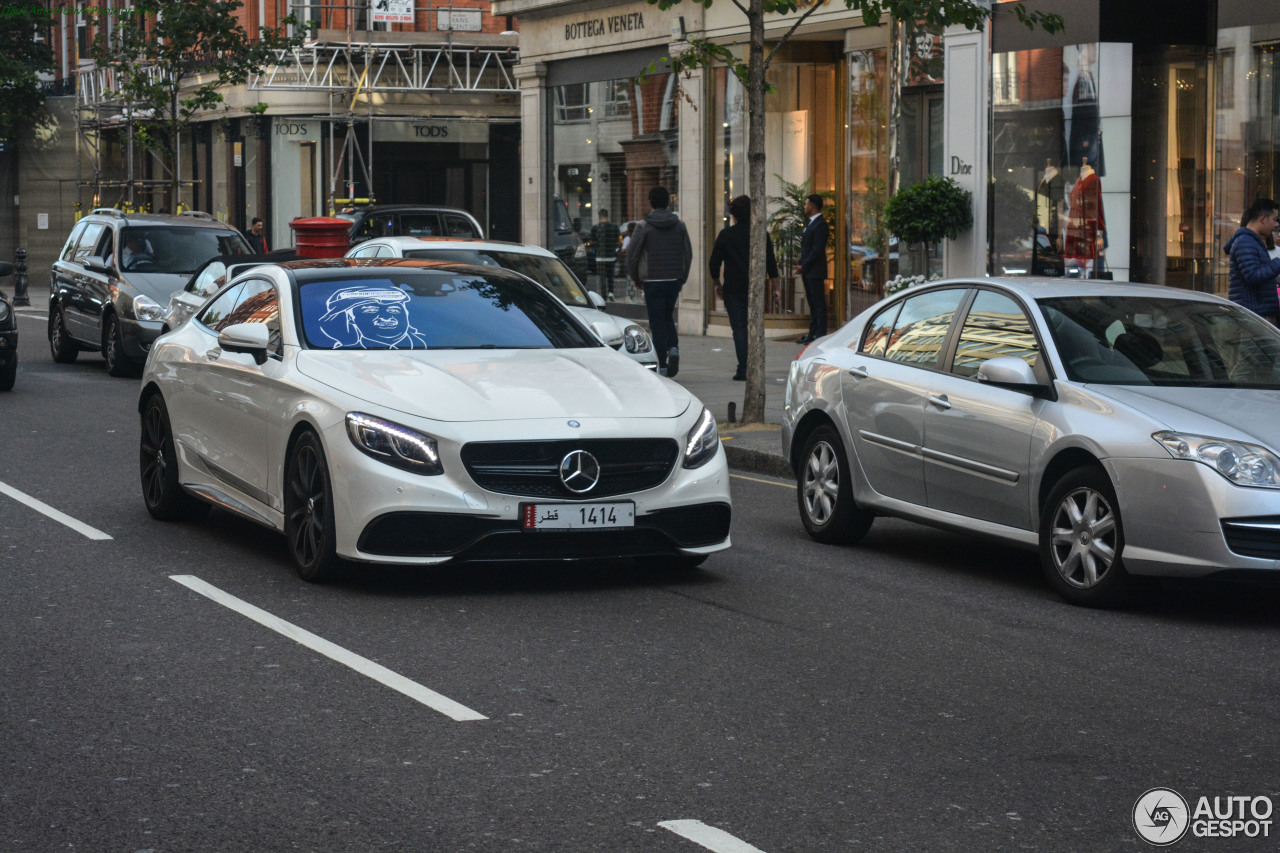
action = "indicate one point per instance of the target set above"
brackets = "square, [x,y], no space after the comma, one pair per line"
[611,142]
[1247,141]
[872,258]
[1060,162]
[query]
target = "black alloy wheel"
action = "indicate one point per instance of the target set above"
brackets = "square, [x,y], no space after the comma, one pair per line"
[118,363]
[61,347]
[308,512]
[162,492]
[824,491]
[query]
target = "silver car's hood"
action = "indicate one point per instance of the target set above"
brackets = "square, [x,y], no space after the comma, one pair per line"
[158,285]
[489,385]
[1249,413]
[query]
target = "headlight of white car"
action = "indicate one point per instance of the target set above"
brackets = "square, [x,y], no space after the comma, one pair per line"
[394,444]
[701,443]
[1242,463]
[146,308]
[636,340]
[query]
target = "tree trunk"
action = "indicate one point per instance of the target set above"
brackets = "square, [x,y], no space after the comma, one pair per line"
[753,403]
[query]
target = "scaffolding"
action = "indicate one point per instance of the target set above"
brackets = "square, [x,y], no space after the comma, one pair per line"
[349,60]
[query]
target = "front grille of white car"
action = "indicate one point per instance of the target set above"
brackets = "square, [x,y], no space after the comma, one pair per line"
[532,468]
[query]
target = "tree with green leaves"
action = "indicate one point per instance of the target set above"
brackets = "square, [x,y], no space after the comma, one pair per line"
[934,15]
[25,54]
[171,65]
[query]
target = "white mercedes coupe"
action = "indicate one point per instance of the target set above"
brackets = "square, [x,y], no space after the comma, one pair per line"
[419,412]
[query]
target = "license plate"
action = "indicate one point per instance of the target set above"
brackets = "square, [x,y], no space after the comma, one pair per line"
[578,516]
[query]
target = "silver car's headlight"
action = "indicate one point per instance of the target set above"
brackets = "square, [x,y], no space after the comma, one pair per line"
[1240,462]
[394,444]
[636,340]
[702,441]
[146,308]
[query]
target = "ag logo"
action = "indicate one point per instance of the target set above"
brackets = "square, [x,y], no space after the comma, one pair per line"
[1161,817]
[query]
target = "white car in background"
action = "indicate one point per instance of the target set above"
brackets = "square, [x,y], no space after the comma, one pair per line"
[539,264]
[419,413]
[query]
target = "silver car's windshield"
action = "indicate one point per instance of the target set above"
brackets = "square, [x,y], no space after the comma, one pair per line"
[551,273]
[174,248]
[1138,340]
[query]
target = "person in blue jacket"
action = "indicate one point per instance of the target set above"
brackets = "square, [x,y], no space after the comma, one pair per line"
[1252,272]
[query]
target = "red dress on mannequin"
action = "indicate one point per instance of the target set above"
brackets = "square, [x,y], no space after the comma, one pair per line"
[1085,219]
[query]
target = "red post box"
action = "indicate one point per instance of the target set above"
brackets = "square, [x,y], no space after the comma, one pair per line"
[321,236]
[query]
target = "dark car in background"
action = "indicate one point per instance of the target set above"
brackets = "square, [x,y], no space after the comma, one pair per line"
[415,220]
[8,336]
[107,297]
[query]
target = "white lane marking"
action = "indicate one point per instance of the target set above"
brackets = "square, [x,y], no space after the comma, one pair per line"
[708,836]
[364,666]
[60,517]
[766,482]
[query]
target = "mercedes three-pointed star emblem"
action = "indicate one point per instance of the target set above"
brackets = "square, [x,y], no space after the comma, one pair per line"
[579,471]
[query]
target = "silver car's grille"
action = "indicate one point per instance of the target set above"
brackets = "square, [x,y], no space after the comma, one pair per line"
[532,468]
[1253,537]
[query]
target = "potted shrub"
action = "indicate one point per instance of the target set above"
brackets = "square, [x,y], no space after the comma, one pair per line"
[930,211]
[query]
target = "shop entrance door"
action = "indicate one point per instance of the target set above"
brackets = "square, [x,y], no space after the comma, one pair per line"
[1173,237]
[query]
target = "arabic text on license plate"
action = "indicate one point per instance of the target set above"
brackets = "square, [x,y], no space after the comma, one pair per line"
[578,516]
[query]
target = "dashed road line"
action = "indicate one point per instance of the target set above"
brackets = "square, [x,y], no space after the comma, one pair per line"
[708,836]
[60,517]
[364,666]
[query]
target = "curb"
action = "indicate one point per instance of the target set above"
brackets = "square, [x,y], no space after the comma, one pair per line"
[757,461]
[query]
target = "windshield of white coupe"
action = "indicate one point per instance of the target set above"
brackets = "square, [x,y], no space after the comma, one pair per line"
[1137,340]
[434,309]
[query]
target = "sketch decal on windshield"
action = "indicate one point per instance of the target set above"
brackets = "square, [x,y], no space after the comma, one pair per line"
[370,317]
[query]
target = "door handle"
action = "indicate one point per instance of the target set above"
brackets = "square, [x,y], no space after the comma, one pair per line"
[940,400]
[858,372]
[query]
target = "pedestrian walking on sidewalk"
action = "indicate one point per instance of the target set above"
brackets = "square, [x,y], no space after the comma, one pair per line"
[256,236]
[732,251]
[605,235]
[659,257]
[813,267]
[1251,272]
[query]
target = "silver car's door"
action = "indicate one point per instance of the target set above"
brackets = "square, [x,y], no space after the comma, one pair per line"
[84,296]
[977,437]
[233,394]
[883,388]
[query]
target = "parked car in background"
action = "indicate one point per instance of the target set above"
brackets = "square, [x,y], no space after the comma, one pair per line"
[108,296]
[8,336]
[210,278]
[418,220]
[537,263]
[1122,430]
[467,412]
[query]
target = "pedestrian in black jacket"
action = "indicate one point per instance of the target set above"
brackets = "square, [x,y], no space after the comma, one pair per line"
[813,267]
[733,251]
[658,260]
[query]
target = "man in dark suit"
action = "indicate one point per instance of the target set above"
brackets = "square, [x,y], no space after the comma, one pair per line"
[813,267]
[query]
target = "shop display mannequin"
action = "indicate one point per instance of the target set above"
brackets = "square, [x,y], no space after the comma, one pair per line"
[1086,222]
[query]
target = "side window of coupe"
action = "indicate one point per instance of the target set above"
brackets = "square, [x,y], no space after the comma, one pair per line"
[922,325]
[257,304]
[995,326]
[217,310]
[365,252]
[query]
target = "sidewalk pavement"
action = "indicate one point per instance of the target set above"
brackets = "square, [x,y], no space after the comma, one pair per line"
[707,365]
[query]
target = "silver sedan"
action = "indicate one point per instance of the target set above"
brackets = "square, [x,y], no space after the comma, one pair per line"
[1122,430]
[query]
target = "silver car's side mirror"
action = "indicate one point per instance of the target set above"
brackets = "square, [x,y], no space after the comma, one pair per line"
[1009,371]
[96,263]
[251,338]
[597,301]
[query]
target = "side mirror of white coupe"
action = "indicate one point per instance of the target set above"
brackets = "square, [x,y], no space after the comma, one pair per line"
[251,338]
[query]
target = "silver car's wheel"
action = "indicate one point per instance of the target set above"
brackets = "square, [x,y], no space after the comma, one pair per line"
[824,491]
[1082,540]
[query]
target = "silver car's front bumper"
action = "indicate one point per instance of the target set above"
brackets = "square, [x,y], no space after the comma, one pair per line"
[1182,519]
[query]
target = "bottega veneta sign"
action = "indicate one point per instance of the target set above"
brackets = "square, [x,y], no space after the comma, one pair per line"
[610,25]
